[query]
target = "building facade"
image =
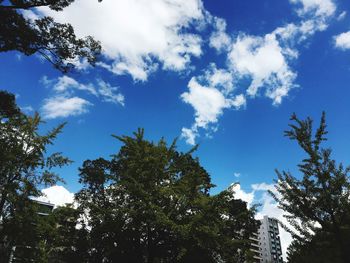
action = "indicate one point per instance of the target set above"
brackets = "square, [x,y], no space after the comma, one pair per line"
[266,244]
[255,247]
[269,241]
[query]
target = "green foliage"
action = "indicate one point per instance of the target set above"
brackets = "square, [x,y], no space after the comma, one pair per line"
[8,105]
[56,42]
[24,169]
[317,205]
[65,240]
[151,203]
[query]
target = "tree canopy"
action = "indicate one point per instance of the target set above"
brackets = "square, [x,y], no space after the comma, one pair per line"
[25,168]
[56,42]
[151,203]
[317,205]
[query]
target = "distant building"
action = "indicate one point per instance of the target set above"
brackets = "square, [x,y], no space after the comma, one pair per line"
[44,208]
[269,241]
[20,253]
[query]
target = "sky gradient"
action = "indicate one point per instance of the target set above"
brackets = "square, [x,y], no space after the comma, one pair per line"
[224,74]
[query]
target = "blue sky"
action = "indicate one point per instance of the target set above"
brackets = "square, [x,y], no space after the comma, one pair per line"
[224,74]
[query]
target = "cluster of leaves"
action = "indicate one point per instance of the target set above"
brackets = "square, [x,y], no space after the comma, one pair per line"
[56,42]
[151,203]
[317,205]
[24,169]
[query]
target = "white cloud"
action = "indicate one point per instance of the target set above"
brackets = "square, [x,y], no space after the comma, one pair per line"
[65,84]
[236,174]
[62,106]
[136,35]
[189,135]
[30,15]
[238,101]
[208,102]
[320,8]
[241,194]
[209,94]
[263,60]
[342,15]
[57,195]
[264,187]
[219,78]
[219,39]
[109,94]
[27,109]
[342,41]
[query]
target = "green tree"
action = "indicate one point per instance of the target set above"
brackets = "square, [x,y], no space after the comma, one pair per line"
[317,204]
[24,169]
[56,42]
[63,237]
[151,203]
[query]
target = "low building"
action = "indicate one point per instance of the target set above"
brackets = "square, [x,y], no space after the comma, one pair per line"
[20,253]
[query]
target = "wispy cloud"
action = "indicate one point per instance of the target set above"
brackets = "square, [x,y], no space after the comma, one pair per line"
[319,8]
[66,84]
[109,93]
[27,109]
[236,174]
[342,15]
[64,102]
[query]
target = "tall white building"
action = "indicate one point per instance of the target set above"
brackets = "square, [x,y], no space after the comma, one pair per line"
[255,247]
[269,241]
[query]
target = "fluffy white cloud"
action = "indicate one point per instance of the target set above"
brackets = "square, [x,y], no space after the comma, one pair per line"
[57,195]
[209,95]
[264,61]
[241,194]
[342,41]
[208,102]
[136,35]
[219,78]
[62,106]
